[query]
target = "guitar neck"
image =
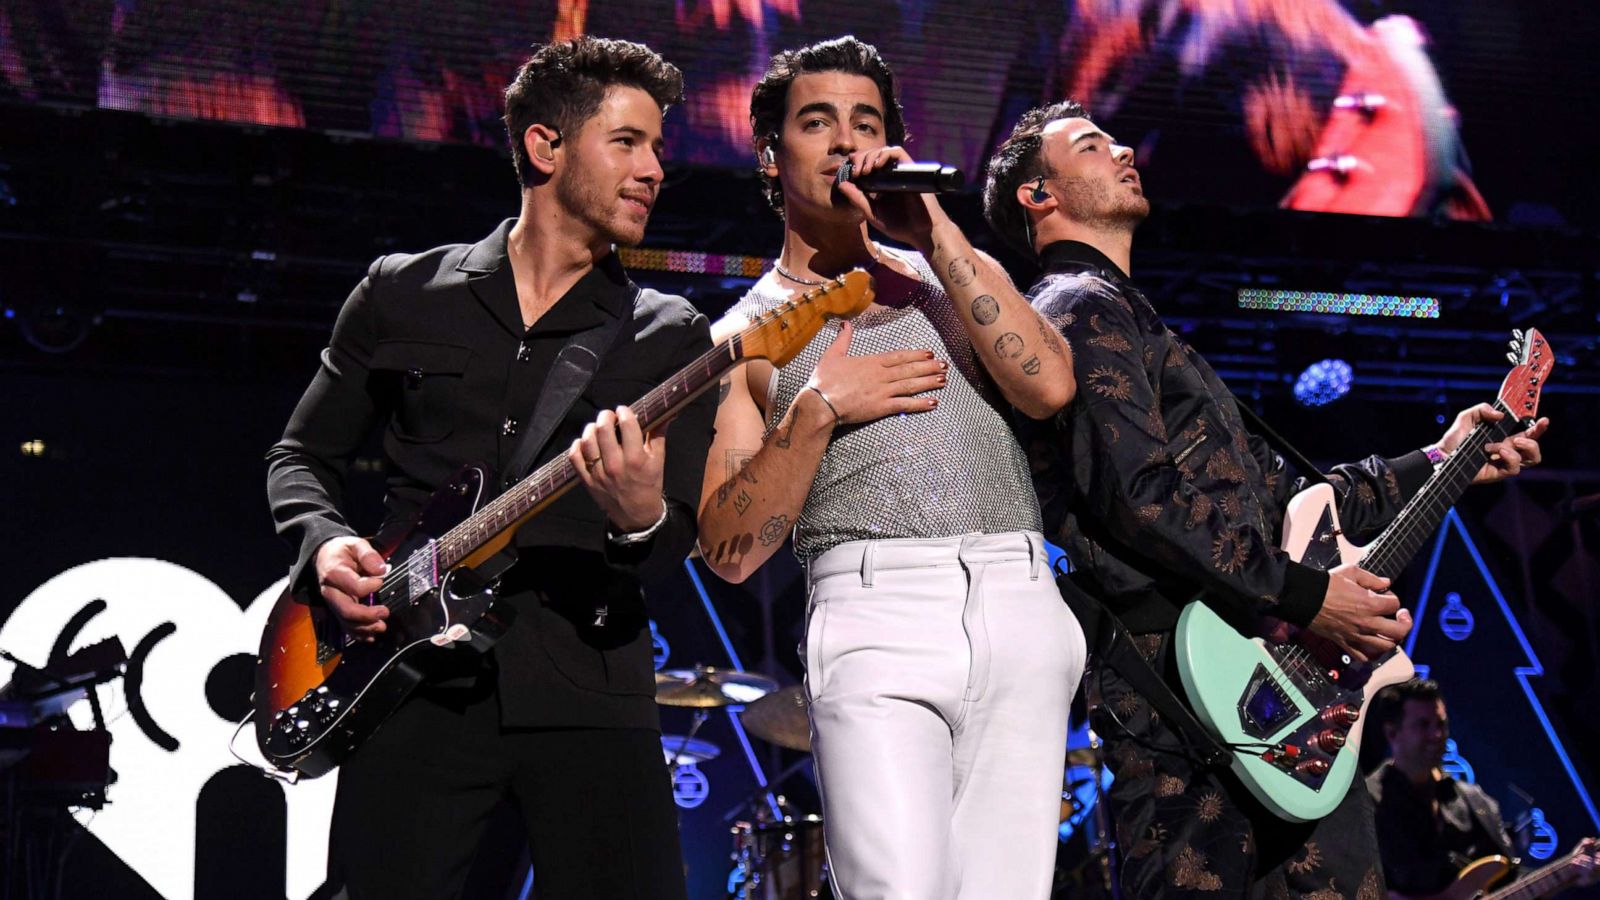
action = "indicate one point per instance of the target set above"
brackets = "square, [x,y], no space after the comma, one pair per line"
[1398,544]
[557,476]
[1554,877]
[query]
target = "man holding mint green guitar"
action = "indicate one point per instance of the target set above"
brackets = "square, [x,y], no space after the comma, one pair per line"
[1163,498]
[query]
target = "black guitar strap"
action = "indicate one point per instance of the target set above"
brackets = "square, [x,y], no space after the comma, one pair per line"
[1110,643]
[1309,471]
[569,375]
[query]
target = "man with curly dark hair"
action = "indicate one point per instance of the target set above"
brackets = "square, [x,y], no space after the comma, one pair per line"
[511,351]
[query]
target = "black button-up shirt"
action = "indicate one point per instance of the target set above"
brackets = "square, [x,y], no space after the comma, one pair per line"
[431,349]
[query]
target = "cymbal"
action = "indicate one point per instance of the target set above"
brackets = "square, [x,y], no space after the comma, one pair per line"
[682,751]
[780,718]
[705,687]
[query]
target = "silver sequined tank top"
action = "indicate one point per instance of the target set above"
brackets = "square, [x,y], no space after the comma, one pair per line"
[954,470]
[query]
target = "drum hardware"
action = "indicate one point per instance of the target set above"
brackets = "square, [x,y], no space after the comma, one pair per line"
[781,860]
[780,718]
[705,687]
[1087,869]
[686,749]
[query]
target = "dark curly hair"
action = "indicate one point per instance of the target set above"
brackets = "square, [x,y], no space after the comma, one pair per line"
[770,99]
[561,85]
[1017,162]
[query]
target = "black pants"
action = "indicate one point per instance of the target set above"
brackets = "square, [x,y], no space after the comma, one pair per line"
[413,803]
[1186,831]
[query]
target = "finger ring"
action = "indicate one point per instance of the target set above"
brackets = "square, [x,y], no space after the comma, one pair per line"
[591,463]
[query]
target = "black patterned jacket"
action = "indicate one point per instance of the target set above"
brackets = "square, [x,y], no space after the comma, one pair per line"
[1151,482]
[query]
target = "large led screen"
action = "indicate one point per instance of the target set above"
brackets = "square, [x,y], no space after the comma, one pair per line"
[1462,109]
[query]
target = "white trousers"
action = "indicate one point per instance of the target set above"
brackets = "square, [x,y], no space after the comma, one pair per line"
[939,674]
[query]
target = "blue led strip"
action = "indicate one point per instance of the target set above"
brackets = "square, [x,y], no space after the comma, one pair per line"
[733,659]
[1522,672]
[1339,303]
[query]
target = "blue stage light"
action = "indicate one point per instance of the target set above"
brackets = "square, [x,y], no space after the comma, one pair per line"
[1323,382]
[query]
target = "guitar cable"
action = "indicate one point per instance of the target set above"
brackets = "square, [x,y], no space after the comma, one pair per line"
[291,776]
[1185,748]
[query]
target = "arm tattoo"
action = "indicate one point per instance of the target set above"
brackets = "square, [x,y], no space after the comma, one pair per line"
[782,438]
[742,502]
[985,310]
[962,271]
[1052,341]
[1030,365]
[739,466]
[774,530]
[1009,345]
[731,551]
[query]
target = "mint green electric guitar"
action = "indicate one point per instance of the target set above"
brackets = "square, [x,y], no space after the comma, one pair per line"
[1292,710]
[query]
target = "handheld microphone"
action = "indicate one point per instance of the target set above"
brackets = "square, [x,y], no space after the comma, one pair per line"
[905,178]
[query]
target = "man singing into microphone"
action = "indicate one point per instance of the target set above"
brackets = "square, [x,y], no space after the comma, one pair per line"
[939,657]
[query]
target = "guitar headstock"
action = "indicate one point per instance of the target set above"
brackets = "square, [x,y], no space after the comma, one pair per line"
[783,332]
[1531,361]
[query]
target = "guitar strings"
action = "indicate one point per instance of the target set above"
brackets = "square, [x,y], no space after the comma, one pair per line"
[1410,530]
[1407,528]
[654,403]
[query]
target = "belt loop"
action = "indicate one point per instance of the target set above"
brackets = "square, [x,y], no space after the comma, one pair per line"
[1036,556]
[866,563]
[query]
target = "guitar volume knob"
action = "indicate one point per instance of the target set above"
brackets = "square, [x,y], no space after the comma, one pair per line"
[1341,715]
[1313,767]
[1330,740]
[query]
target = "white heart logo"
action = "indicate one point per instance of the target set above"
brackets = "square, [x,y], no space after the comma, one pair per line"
[167,741]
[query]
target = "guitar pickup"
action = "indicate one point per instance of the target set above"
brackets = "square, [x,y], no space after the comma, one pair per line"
[1265,707]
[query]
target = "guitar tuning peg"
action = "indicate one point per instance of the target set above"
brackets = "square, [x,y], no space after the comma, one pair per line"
[1516,333]
[1512,357]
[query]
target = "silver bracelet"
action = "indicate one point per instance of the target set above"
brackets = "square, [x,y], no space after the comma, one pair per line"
[635,537]
[837,419]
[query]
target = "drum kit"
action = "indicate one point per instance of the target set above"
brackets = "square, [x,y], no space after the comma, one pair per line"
[777,852]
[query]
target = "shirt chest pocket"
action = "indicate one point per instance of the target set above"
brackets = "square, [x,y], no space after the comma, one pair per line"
[426,379]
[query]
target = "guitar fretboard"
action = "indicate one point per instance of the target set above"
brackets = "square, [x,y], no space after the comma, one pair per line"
[556,476]
[1546,881]
[1393,550]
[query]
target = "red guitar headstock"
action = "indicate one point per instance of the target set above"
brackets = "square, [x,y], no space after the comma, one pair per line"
[1531,360]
